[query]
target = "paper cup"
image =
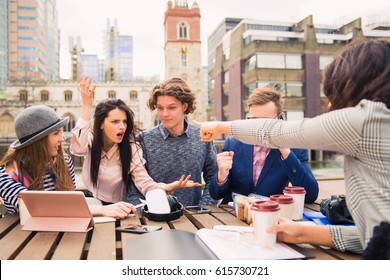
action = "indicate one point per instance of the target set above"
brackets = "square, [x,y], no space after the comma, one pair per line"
[265,214]
[286,205]
[298,195]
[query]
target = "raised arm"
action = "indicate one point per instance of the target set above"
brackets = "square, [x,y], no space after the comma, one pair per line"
[81,134]
[87,92]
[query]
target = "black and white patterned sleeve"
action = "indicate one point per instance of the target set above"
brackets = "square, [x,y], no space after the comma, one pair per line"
[69,161]
[346,238]
[9,191]
[339,131]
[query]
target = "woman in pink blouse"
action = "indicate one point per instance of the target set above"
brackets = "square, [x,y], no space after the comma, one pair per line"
[112,156]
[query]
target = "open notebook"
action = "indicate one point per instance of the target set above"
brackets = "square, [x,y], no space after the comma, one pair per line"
[65,211]
[233,243]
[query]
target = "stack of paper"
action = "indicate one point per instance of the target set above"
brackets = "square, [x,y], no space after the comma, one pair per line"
[232,243]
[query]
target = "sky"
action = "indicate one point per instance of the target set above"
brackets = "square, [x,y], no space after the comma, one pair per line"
[144,20]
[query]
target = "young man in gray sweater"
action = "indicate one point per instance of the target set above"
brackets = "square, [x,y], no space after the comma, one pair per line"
[173,148]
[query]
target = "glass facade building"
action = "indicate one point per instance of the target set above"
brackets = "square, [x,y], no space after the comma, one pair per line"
[33,41]
[89,66]
[118,64]
[3,44]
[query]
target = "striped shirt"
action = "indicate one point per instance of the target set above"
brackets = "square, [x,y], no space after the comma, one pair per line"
[362,134]
[9,188]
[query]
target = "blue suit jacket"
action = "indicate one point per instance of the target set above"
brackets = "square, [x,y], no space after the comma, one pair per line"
[275,175]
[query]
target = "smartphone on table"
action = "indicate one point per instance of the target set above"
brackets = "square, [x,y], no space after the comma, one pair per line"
[138,228]
[198,209]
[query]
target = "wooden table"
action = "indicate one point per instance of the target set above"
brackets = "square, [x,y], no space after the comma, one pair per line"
[105,243]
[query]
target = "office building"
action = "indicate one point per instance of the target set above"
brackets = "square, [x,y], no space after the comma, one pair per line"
[290,56]
[118,62]
[90,66]
[33,41]
[3,45]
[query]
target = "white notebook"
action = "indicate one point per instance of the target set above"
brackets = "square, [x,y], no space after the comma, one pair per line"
[233,243]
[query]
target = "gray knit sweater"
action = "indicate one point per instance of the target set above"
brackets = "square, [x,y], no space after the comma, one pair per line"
[168,158]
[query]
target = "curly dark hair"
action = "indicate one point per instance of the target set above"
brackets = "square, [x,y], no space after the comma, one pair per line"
[360,71]
[175,87]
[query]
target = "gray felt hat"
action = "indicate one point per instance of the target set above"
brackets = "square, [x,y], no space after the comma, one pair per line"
[34,123]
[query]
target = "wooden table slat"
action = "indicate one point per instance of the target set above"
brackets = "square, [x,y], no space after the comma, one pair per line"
[164,225]
[184,224]
[7,222]
[71,246]
[203,220]
[40,247]
[226,217]
[12,243]
[102,245]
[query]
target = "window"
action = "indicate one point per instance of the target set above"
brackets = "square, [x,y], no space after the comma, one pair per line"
[44,95]
[293,115]
[28,38]
[27,8]
[112,94]
[279,61]
[183,31]
[71,124]
[293,61]
[33,28]
[133,95]
[250,63]
[183,60]
[249,89]
[270,60]
[27,48]
[294,90]
[27,18]
[226,77]
[6,123]
[23,95]
[27,58]
[68,95]
[290,89]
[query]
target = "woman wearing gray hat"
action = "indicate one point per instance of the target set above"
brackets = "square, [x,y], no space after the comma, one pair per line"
[37,161]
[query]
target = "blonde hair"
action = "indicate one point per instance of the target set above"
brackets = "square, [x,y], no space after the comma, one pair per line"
[261,96]
[34,160]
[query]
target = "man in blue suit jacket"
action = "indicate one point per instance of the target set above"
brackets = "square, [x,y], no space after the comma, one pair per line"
[281,166]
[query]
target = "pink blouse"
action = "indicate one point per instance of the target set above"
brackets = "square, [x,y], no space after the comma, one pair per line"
[110,186]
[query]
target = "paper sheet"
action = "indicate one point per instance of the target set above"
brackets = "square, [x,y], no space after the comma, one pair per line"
[234,245]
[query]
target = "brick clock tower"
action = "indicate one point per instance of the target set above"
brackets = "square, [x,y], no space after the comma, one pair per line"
[183,50]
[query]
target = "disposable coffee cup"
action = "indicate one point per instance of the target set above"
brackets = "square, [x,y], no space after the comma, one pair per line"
[298,195]
[24,214]
[286,205]
[265,214]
